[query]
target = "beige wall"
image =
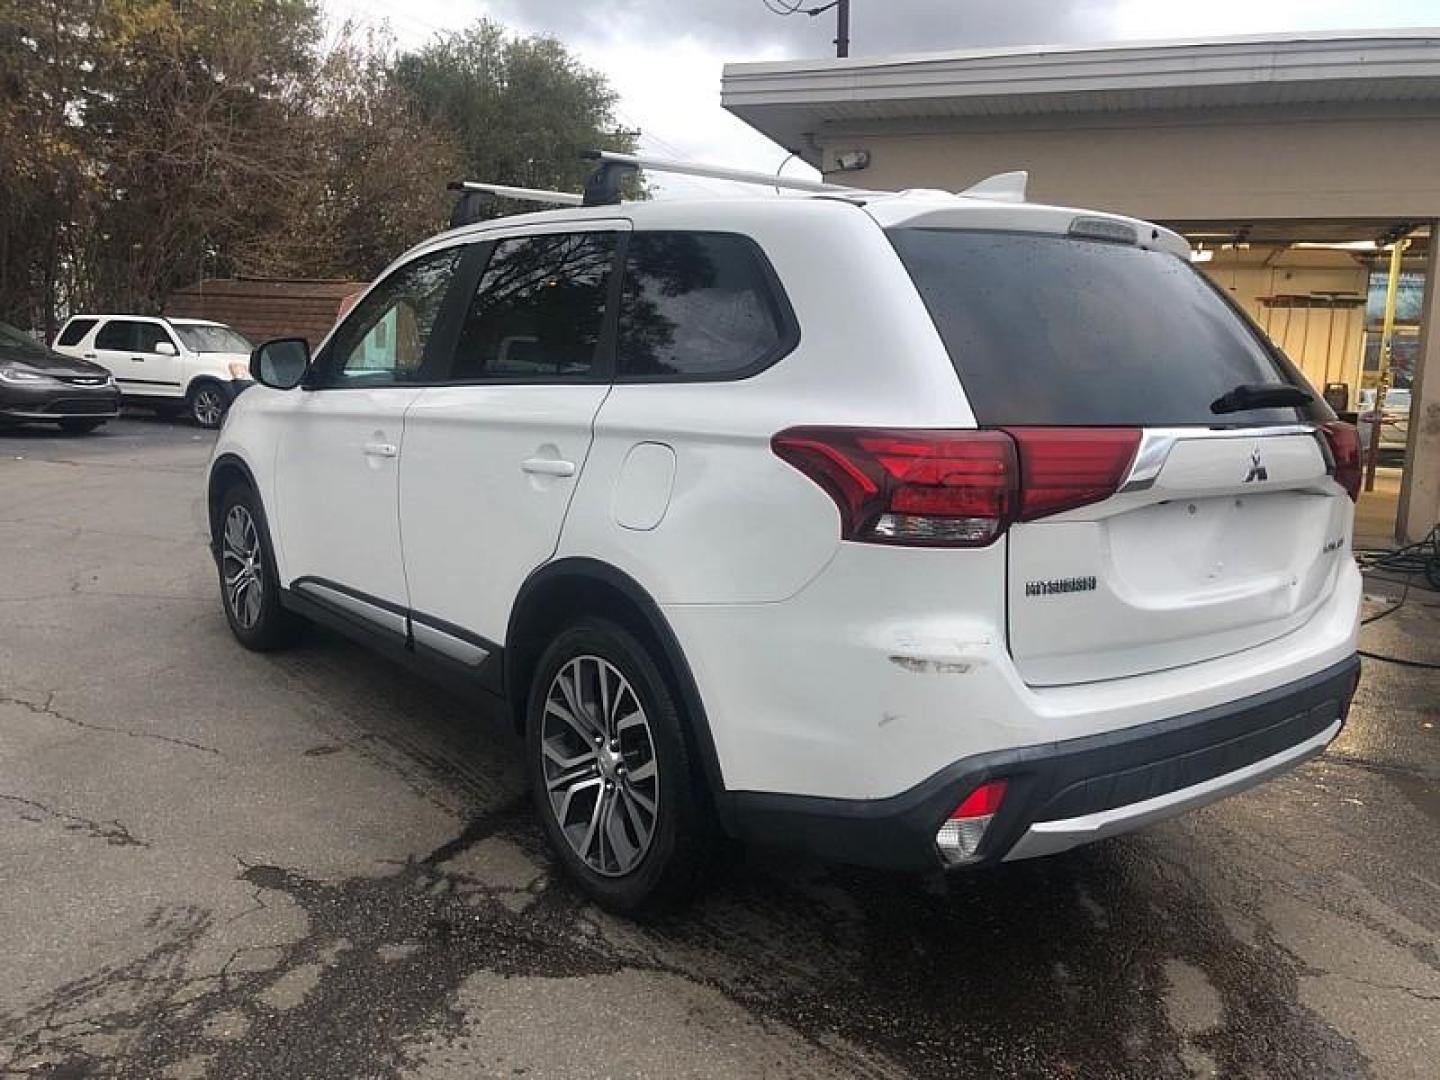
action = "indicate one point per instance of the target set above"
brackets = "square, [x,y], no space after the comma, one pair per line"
[1222,165]
[1235,165]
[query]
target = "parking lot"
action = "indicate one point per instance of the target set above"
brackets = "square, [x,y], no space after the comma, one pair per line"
[314,864]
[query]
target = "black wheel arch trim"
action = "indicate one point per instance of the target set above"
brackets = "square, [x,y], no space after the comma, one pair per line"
[215,492]
[582,569]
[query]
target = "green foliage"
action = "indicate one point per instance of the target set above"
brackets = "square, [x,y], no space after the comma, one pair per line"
[147,143]
[520,109]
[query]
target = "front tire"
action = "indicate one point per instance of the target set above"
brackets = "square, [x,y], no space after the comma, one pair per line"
[620,801]
[249,584]
[206,403]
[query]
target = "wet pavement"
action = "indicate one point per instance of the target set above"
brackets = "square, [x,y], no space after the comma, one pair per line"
[214,863]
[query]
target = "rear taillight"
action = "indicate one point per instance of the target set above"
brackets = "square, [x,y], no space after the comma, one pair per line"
[958,838]
[956,488]
[1344,443]
[946,488]
[1062,468]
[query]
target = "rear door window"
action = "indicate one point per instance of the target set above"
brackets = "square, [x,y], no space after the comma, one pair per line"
[1060,331]
[74,330]
[698,305]
[118,335]
[538,309]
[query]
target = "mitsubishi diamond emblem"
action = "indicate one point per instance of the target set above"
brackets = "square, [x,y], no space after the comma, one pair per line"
[1257,470]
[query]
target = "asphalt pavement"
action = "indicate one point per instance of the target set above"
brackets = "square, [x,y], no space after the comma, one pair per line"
[314,864]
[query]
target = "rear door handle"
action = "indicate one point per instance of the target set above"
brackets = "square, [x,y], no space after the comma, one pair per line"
[548,466]
[381,449]
[89,356]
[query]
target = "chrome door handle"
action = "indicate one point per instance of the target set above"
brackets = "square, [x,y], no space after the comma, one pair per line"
[548,466]
[381,449]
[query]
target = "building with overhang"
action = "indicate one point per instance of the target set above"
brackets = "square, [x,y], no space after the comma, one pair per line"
[1293,163]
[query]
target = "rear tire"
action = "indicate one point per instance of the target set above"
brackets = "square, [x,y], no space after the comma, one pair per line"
[249,584]
[79,427]
[207,402]
[620,800]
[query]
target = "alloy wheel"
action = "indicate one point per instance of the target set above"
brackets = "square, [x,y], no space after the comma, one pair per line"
[242,567]
[208,407]
[598,759]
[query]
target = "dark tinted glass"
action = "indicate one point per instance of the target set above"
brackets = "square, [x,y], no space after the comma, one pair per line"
[538,308]
[385,337]
[695,304]
[1050,330]
[118,335]
[150,334]
[74,330]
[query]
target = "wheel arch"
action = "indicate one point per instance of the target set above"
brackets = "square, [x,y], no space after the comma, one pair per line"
[562,590]
[226,471]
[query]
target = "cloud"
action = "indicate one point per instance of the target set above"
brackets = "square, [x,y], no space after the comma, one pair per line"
[665,56]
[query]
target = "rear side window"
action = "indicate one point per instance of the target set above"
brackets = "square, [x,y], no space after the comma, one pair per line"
[538,309]
[1053,330]
[74,330]
[118,335]
[697,305]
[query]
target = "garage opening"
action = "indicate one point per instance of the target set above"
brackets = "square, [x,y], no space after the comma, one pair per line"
[1320,290]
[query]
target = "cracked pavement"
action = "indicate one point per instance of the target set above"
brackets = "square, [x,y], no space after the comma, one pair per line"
[313,864]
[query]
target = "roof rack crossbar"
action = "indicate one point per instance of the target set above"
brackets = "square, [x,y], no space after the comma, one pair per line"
[523,194]
[716,172]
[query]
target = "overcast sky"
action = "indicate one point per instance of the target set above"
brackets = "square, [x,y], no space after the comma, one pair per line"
[665,56]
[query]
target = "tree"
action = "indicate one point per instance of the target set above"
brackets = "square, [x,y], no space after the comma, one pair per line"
[145,144]
[374,172]
[520,109]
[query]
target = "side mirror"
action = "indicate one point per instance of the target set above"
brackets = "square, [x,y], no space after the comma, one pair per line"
[166,348]
[280,364]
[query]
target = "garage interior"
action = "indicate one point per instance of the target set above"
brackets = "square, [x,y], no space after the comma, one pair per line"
[1319,291]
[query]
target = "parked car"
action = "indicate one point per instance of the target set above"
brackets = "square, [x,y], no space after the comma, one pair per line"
[917,531]
[166,364]
[1395,426]
[38,385]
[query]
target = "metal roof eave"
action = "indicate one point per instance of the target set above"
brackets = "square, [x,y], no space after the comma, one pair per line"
[785,99]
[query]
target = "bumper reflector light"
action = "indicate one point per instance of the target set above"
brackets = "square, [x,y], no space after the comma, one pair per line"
[959,837]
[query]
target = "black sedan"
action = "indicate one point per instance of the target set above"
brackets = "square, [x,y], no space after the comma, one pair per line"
[39,386]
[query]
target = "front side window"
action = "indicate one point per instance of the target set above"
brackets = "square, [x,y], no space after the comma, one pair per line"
[118,335]
[74,330]
[384,340]
[696,305]
[150,334]
[538,309]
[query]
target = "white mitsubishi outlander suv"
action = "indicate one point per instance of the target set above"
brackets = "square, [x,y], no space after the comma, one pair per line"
[915,530]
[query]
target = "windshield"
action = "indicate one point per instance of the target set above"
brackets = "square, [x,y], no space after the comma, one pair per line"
[211,339]
[18,345]
[1053,330]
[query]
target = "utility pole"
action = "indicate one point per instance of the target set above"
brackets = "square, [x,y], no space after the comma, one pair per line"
[842,18]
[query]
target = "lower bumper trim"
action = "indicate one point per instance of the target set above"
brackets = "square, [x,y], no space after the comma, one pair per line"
[1052,837]
[1065,793]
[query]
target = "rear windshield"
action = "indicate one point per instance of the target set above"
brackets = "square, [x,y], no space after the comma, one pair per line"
[1053,330]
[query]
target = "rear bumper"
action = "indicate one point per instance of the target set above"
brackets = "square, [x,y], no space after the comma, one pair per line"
[1066,793]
